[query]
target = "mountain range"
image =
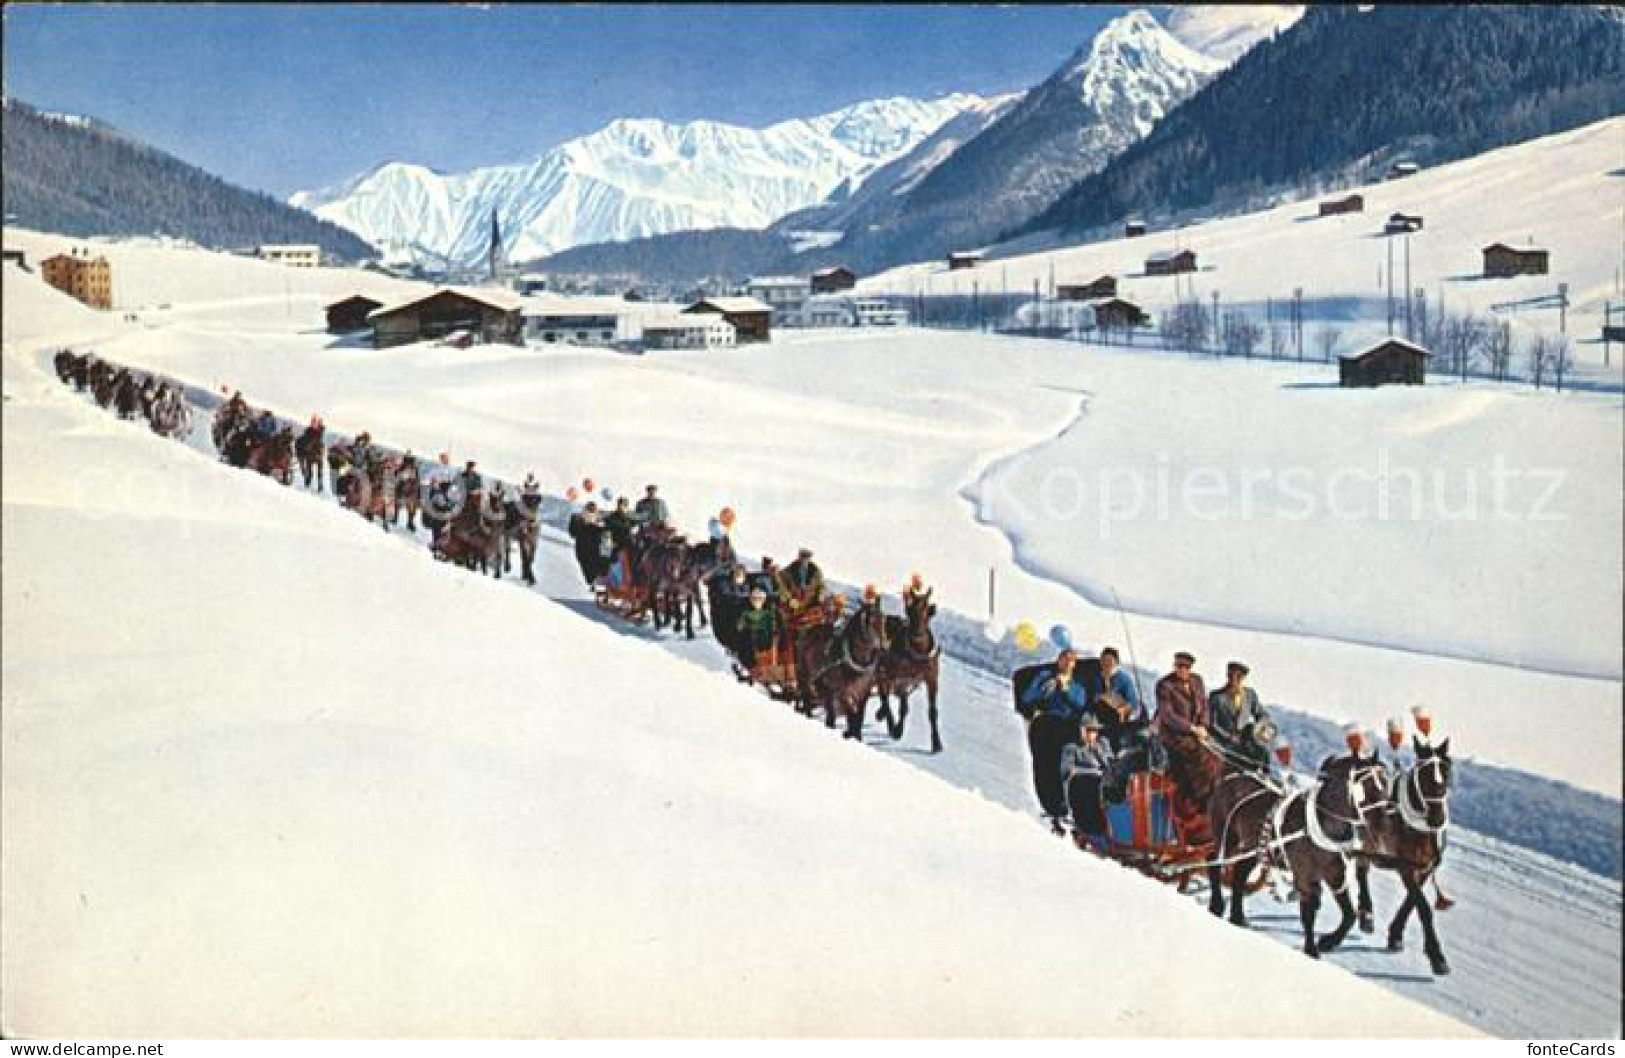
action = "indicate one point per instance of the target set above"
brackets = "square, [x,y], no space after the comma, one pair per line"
[634,177]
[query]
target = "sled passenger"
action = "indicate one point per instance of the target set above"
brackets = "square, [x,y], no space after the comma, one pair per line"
[1239,720]
[1084,766]
[1053,702]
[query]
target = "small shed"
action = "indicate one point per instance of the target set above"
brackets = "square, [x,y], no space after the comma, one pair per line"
[1116,314]
[833,280]
[752,319]
[491,315]
[1133,228]
[964,259]
[1392,360]
[1346,204]
[1400,223]
[1169,263]
[1401,169]
[350,315]
[1501,260]
[1104,287]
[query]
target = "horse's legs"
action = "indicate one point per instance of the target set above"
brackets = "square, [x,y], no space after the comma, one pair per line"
[931,706]
[1362,877]
[1238,890]
[1215,890]
[688,615]
[1345,904]
[1396,928]
[1308,905]
[1431,946]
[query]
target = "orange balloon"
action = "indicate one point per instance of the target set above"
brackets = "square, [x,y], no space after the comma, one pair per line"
[570,493]
[587,484]
[726,517]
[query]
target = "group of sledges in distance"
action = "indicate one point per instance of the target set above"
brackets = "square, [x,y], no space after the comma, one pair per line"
[127,393]
[1189,789]
[786,632]
[1192,787]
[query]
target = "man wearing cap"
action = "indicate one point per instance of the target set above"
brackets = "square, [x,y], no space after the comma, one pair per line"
[1237,716]
[1182,725]
[651,511]
[1084,766]
[1053,702]
[801,583]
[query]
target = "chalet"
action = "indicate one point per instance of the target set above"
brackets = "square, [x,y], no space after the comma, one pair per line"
[581,320]
[752,320]
[833,280]
[1133,228]
[1401,169]
[350,315]
[530,283]
[15,257]
[489,315]
[785,295]
[1501,260]
[1347,204]
[1167,263]
[1390,360]
[1104,287]
[1115,314]
[90,279]
[677,330]
[1402,223]
[964,259]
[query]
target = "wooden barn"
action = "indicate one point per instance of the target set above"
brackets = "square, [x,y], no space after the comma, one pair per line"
[833,280]
[964,259]
[1133,229]
[1347,204]
[1169,263]
[1104,287]
[350,315]
[752,319]
[1392,360]
[491,316]
[1115,314]
[1501,260]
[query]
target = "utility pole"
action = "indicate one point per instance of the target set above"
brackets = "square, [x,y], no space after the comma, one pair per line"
[1218,339]
[1562,308]
[1390,287]
[1038,303]
[1408,335]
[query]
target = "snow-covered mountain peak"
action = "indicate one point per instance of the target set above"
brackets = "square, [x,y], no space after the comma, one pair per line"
[634,177]
[1227,31]
[1134,65]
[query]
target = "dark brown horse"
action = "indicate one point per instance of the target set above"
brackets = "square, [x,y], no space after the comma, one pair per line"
[525,530]
[837,669]
[913,661]
[1243,800]
[1319,831]
[473,538]
[273,455]
[67,364]
[309,449]
[1407,837]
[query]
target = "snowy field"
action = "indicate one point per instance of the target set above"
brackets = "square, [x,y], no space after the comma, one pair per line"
[952,453]
[1563,192]
[278,775]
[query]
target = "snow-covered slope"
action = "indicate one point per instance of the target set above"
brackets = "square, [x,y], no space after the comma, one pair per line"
[280,775]
[633,178]
[1227,31]
[868,446]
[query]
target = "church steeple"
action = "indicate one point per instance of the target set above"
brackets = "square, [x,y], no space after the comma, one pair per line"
[495,261]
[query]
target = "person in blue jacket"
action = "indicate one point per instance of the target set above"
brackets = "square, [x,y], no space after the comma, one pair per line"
[1053,704]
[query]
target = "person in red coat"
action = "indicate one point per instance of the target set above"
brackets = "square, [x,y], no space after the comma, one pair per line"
[1182,725]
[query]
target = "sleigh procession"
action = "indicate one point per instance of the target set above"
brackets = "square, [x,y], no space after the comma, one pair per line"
[1201,791]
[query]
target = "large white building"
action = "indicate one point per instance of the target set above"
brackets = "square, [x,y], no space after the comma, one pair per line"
[785,295]
[295,255]
[847,310]
[553,319]
[678,330]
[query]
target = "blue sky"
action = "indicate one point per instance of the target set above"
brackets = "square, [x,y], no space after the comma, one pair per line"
[284,97]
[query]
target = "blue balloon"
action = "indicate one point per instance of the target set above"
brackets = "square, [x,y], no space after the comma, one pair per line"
[607,494]
[1061,636]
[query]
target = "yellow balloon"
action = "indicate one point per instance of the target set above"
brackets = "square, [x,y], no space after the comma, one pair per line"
[1026,636]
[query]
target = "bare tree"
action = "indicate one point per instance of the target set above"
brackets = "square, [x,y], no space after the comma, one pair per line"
[1242,334]
[1327,338]
[1185,325]
[1498,350]
[1277,342]
[1539,359]
[1558,351]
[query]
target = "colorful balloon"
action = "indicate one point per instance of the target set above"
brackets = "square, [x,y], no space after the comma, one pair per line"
[608,494]
[1061,636]
[586,483]
[571,493]
[726,517]
[1027,636]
